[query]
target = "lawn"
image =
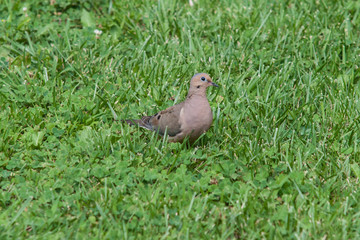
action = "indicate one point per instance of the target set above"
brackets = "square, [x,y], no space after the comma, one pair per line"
[281,160]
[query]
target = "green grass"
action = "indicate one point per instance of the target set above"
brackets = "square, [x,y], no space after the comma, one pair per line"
[281,160]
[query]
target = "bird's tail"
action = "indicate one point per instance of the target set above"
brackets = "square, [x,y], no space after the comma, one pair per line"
[132,122]
[143,122]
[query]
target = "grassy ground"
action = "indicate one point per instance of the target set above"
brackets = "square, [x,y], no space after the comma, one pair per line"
[280,161]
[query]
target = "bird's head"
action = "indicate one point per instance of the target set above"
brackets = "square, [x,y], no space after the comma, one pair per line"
[201,81]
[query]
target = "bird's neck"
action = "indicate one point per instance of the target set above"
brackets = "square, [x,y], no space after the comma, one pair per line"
[196,92]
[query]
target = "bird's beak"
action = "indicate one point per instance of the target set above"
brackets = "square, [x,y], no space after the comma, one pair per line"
[214,84]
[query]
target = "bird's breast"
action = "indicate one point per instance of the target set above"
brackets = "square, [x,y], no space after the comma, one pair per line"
[196,115]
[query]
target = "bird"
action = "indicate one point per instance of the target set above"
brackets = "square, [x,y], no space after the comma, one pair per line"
[186,120]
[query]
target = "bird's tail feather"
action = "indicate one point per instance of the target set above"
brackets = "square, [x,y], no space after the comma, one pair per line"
[143,122]
[132,122]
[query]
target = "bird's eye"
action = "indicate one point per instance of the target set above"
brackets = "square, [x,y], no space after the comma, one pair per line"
[203,79]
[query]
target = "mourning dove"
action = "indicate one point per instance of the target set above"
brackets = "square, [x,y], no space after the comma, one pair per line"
[190,118]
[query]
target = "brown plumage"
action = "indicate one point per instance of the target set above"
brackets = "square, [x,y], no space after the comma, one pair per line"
[190,118]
